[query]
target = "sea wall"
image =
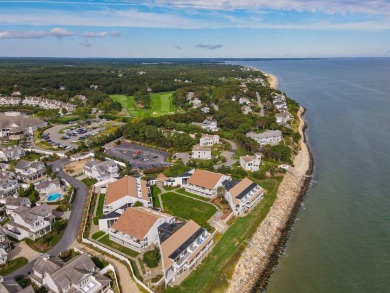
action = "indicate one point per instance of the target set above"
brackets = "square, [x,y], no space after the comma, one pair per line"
[258,259]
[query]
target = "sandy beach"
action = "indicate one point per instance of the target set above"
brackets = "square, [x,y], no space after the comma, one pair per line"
[257,261]
[273,81]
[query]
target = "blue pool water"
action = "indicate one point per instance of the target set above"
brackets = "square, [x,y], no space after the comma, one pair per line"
[53,196]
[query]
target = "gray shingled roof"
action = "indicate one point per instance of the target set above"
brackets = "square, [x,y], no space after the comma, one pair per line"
[47,264]
[22,121]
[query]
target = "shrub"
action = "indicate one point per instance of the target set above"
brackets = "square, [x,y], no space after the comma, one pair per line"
[152,258]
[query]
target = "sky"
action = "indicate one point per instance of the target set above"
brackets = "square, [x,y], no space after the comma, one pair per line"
[195,28]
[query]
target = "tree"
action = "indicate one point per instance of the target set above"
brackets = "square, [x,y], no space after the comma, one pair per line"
[138,204]
[152,258]
[82,112]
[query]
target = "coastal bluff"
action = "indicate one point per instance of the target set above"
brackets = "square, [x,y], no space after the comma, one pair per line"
[257,260]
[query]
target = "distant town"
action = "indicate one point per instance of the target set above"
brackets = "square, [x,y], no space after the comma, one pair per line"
[144,179]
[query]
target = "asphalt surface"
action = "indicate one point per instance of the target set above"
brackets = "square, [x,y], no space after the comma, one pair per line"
[74,222]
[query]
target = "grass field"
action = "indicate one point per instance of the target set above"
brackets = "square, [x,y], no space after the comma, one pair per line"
[13,265]
[161,104]
[228,249]
[187,208]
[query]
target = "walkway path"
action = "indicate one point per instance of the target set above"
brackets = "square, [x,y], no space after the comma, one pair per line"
[126,282]
[260,104]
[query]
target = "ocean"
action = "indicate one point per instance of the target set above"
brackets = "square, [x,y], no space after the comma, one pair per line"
[341,239]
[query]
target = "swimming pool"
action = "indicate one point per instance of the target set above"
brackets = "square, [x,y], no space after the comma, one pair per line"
[53,196]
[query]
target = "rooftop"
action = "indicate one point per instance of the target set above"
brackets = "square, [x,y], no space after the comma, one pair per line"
[205,179]
[127,186]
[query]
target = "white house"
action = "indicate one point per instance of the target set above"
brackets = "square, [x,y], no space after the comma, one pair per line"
[15,125]
[29,171]
[250,163]
[184,249]
[137,227]
[80,274]
[30,223]
[46,187]
[246,109]
[5,245]
[208,125]
[282,118]
[242,195]
[12,203]
[9,186]
[201,152]
[209,140]
[271,137]
[126,191]
[205,183]
[11,153]
[101,171]
[244,100]
[3,256]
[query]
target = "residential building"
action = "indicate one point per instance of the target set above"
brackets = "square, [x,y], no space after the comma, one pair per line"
[244,100]
[30,223]
[242,194]
[196,103]
[246,109]
[29,171]
[250,163]
[12,203]
[9,186]
[190,96]
[282,118]
[205,183]
[201,152]
[3,256]
[31,101]
[101,170]
[208,125]
[11,153]
[48,186]
[9,101]
[5,244]
[209,140]
[137,227]
[125,192]
[80,274]
[183,249]
[180,180]
[15,125]
[9,285]
[271,137]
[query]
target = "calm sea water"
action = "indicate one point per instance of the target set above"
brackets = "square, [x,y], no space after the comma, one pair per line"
[341,240]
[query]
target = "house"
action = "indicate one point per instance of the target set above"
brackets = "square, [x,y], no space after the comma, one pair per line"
[201,152]
[208,140]
[101,171]
[246,109]
[11,153]
[271,137]
[9,186]
[281,106]
[93,86]
[196,103]
[31,101]
[9,101]
[80,274]
[137,227]
[282,118]
[244,100]
[190,96]
[205,183]
[242,194]
[30,223]
[125,192]
[205,110]
[5,244]
[208,125]
[46,187]
[250,163]
[182,248]
[15,125]
[12,203]
[9,285]
[29,171]
[3,256]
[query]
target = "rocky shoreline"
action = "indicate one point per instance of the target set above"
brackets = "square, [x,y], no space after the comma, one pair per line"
[258,260]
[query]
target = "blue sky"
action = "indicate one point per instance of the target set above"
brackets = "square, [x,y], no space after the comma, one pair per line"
[195,28]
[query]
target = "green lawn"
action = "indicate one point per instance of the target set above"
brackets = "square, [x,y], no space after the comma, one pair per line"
[161,104]
[12,265]
[99,210]
[187,208]
[98,234]
[155,192]
[227,250]
[89,181]
[106,240]
[50,239]
[182,191]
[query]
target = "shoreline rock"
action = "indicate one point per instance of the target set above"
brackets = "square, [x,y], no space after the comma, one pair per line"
[253,269]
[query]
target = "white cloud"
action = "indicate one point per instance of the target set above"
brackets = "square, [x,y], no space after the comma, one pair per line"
[94,34]
[209,46]
[55,32]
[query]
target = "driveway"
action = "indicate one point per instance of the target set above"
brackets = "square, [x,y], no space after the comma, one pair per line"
[74,220]
[184,156]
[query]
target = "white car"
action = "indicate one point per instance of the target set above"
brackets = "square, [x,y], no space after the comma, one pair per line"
[58,169]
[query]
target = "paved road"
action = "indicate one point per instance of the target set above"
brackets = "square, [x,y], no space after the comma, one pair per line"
[260,104]
[233,145]
[74,221]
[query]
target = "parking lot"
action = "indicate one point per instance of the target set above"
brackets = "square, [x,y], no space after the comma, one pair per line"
[138,156]
[67,136]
